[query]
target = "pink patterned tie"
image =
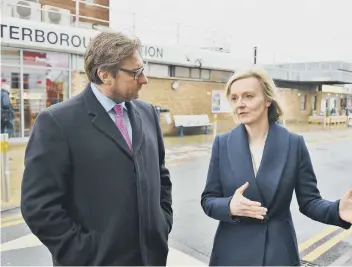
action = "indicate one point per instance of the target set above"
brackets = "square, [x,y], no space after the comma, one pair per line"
[121,124]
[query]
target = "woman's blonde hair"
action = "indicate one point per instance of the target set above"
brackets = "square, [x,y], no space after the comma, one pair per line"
[269,90]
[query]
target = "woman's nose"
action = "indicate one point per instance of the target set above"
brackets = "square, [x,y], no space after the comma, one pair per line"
[240,103]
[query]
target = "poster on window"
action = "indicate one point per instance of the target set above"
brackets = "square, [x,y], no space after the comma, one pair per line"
[219,102]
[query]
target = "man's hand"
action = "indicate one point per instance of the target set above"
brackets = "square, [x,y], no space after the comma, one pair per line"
[241,206]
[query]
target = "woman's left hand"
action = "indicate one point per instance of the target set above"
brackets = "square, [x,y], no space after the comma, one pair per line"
[345,208]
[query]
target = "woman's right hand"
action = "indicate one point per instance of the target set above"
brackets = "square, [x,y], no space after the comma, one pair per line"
[241,206]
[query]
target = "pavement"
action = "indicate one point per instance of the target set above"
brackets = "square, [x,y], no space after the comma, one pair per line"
[193,232]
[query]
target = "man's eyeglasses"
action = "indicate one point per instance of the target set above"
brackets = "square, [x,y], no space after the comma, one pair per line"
[136,73]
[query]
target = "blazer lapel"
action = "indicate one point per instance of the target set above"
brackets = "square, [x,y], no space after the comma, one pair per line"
[137,125]
[273,162]
[241,162]
[102,121]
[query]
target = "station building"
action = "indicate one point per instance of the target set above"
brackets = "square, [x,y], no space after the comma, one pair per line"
[42,47]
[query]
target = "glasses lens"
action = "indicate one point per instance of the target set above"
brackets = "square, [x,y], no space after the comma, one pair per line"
[138,73]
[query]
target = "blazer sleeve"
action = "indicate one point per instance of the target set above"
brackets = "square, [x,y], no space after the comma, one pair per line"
[44,195]
[166,185]
[308,196]
[214,204]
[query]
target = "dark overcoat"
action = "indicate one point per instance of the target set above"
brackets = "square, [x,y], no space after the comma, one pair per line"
[286,166]
[86,196]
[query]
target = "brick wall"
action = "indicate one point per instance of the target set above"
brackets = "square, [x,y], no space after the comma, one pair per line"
[84,9]
[79,82]
[290,99]
[194,97]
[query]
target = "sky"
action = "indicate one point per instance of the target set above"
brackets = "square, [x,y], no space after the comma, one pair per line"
[283,30]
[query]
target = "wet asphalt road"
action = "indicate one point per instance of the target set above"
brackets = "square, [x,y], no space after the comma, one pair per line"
[333,166]
[193,231]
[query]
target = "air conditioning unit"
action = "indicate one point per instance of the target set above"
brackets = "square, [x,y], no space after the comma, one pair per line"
[56,15]
[6,8]
[27,10]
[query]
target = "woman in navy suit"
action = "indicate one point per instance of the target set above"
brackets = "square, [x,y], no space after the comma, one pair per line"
[252,174]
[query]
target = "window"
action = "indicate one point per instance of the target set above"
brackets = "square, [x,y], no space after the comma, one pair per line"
[10,81]
[314,103]
[43,88]
[195,73]
[40,82]
[205,74]
[182,72]
[172,71]
[222,76]
[10,56]
[185,72]
[77,62]
[303,102]
[157,70]
[46,59]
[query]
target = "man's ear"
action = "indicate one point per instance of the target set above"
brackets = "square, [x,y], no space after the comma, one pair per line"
[104,76]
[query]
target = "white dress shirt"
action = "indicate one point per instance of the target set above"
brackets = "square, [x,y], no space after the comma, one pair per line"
[109,105]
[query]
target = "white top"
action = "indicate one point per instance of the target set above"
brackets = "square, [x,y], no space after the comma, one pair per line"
[257,154]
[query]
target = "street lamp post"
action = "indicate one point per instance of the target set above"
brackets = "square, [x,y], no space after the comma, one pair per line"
[255,55]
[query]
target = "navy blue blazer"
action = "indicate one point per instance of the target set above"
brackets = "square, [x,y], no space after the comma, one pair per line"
[285,166]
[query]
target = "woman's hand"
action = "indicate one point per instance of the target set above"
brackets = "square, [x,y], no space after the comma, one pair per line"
[345,208]
[241,206]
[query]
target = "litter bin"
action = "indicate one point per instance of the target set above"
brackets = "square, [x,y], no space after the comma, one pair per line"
[166,114]
[158,110]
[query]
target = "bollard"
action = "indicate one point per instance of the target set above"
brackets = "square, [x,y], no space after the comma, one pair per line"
[5,168]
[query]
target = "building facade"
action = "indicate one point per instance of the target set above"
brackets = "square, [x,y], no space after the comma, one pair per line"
[42,47]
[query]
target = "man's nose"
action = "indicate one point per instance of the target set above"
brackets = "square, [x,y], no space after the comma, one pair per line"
[143,79]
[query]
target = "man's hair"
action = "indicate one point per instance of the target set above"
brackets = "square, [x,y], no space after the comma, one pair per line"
[106,51]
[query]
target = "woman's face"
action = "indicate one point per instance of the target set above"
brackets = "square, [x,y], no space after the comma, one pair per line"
[248,101]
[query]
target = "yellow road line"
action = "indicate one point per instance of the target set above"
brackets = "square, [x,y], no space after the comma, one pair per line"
[11,217]
[316,253]
[325,232]
[12,223]
[176,163]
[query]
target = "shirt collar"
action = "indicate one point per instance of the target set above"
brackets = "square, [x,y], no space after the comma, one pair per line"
[107,103]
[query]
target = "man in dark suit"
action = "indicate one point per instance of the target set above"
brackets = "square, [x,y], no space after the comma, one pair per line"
[95,188]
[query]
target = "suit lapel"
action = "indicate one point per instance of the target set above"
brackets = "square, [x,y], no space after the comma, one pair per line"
[102,121]
[241,162]
[137,127]
[273,162]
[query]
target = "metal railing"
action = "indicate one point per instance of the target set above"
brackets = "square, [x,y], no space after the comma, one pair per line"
[75,19]
[78,16]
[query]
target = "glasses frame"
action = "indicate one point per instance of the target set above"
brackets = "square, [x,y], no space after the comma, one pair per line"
[137,72]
